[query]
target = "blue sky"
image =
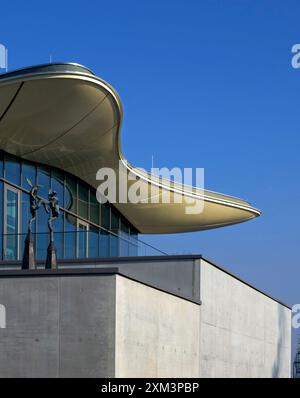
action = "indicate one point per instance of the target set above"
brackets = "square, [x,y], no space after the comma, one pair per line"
[203,84]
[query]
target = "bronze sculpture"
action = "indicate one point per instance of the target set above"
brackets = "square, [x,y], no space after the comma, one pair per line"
[28,261]
[35,202]
[51,207]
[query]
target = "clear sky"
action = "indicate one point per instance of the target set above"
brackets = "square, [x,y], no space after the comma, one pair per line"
[203,84]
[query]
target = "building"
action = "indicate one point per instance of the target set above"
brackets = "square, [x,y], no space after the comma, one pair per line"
[296,364]
[60,124]
[157,316]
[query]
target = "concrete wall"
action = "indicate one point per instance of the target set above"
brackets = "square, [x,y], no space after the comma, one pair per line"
[174,275]
[58,327]
[243,333]
[96,326]
[157,334]
[100,323]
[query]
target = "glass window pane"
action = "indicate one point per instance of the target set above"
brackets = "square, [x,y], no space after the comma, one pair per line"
[124,245]
[1,164]
[82,240]
[43,179]
[57,185]
[93,242]
[12,225]
[133,247]
[133,233]
[70,236]
[71,194]
[104,244]
[28,172]
[12,170]
[94,208]
[105,216]
[58,235]
[115,221]
[83,200]
[114,245]
[124,226]
[42,242]
[1,217]
[25,212]
[42,235]
[124,238]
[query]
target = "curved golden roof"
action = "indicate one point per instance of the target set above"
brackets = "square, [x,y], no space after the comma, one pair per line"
[63,115]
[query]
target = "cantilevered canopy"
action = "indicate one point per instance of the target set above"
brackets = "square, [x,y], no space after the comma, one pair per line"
[64,116]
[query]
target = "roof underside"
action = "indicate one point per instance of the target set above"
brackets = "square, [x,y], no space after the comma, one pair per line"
[64,116]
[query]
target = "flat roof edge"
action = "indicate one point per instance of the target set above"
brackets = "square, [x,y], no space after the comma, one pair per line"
[111,260]
[109,271]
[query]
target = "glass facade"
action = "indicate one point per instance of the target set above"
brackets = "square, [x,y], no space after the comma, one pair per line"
[85,228]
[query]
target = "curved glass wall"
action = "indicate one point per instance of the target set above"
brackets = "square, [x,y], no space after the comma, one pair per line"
[85,228]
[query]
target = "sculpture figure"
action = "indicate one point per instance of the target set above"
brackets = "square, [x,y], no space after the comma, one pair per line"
[28,261]
[52,208]
[35,202]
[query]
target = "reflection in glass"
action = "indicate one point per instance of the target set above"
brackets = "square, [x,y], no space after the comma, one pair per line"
[115,221]
[70,236]
[1,164]
[43,179]
[28,171]
[82,240]
[42,236]
[104,244]
[57,185]
[133,247]
[12,170]
[1,224]
[133,233]
[58,235]
[105,216]
[25,213]
[12,224]
[94,208]
[93,242]
[124,227]
[124,244]
[83,200]
[71,194]
[114,245]
[76,197]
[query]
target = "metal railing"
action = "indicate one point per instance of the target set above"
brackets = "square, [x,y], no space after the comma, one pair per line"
[77,244]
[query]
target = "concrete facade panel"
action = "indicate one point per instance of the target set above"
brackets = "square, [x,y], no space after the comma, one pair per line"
[100,323]
[87,326]
[58,327]
[29,345]
[157,334]
[243,332]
